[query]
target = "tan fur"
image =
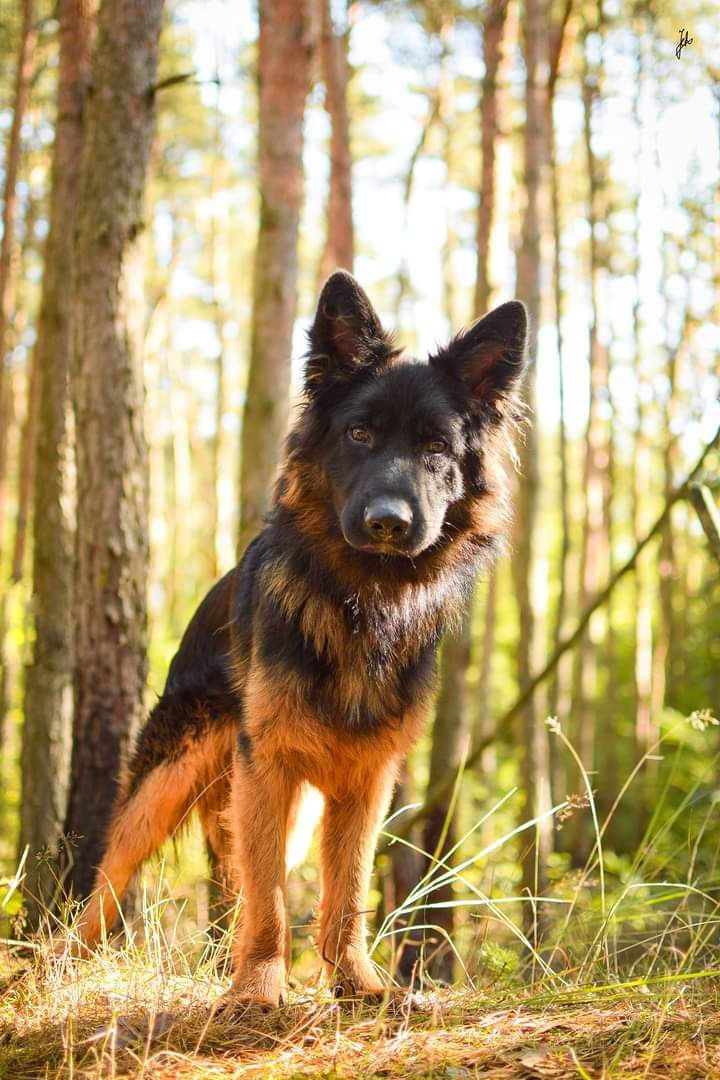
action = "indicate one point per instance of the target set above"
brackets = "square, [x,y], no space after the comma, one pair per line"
[319,650]
[355,774]
[213,806]
[300,769]
[292,750]
[349,833]
[157,810]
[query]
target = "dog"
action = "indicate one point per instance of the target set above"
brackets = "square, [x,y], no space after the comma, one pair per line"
[311,664]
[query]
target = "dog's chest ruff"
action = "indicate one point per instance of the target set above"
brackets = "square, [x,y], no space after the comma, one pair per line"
[354,662]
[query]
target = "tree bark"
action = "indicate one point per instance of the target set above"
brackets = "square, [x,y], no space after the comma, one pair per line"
[111,548]
[285,51]
[451,727]
[483,721]
[500,38]
[406,866]
[558,698]
[667,662]
[493,34]
[23,73]
[28,435]
[339,248]
[449,747]
[532,736]
[217,274]
[48,685]
[642,470]
[26,470]
[709,515]
[594,552]
[449,733]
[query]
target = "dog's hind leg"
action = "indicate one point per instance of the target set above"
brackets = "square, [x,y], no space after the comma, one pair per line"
[214,808]
[141,821]
[156,799]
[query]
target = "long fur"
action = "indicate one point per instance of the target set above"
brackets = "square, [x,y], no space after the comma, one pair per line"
[312,663]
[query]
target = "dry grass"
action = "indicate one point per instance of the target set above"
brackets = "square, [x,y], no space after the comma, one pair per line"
[140,1014]
[638,997]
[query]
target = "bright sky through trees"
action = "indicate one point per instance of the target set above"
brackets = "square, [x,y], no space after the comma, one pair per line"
[679,153]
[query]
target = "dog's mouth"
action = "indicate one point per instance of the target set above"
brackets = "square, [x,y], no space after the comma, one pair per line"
[386,549]
[389,541]
[393,550]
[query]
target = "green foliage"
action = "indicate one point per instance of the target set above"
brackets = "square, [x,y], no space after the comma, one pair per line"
[655,914]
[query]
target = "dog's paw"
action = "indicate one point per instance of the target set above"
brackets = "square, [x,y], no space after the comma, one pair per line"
[398,1000]
[360,991]
[233,1006]
[261,986]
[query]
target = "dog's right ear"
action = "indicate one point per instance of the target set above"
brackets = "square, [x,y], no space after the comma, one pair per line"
[346,336]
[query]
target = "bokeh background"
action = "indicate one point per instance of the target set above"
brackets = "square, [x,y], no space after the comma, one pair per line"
[562,153]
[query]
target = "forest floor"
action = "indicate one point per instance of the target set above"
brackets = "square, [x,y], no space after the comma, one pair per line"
[133,1015]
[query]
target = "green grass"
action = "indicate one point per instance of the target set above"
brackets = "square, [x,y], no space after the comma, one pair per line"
[624,982]
[147,1013]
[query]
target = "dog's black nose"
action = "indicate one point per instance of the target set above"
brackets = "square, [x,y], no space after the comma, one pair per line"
[388,520]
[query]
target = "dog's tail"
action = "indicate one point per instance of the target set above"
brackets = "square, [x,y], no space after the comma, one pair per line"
[177,768]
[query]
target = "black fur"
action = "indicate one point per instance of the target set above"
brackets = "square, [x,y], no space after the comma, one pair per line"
[374,429]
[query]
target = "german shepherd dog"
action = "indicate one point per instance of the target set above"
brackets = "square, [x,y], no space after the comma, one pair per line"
[311,664]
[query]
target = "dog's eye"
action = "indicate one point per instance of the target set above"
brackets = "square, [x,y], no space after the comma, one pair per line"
[360,434]
[436,446]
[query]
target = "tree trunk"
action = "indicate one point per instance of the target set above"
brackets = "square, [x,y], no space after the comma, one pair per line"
[339,243]
[215,546]
[483,721]
[449,734]
[284,55]
[532,736]
[28,435]
[500,35]
[642,470]
[557,695]
[594,554]
[493,33]
[666,679]
[406,866]
[11,165]
[449,747]
[110,611]
[450,730]
[48,685]
[26,469]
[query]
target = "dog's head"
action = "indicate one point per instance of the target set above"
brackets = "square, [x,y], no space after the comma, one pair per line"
[402,443]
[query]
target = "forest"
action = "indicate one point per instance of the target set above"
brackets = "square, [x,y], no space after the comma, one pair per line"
[178,178]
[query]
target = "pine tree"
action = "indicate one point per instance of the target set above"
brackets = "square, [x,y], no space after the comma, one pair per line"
[285,49]
[109,600]
[48,686]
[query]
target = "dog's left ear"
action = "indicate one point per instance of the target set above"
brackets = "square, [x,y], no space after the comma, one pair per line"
[346,336]
[490,357]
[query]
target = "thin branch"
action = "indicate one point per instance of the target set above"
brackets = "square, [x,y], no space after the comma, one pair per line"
[181,77]
[707,511]
[557,40]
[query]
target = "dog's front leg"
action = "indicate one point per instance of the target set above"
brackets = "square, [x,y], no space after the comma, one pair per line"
[262,802]
[349,833]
